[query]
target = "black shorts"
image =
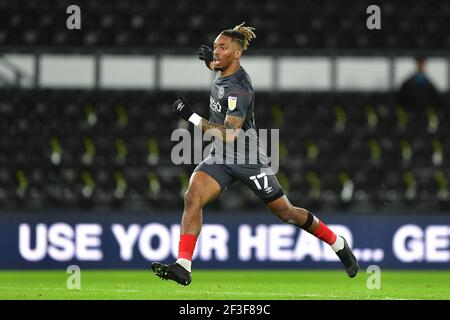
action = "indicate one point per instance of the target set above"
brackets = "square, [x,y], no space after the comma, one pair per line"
[258,177]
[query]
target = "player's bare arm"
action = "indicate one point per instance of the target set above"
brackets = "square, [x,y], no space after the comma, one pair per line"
[227,132]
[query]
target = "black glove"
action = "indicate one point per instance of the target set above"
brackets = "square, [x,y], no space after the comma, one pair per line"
[182,108]
[205,53]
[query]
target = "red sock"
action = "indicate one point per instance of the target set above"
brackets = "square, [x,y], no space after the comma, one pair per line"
[186,246]
[325,234]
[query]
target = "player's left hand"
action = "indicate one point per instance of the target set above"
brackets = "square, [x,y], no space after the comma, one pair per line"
[182,108]
[205,53]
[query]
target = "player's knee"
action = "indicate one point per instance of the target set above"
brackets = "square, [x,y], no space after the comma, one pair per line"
[192,199]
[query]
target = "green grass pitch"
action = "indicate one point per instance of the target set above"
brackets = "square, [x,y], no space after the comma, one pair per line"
[224,285]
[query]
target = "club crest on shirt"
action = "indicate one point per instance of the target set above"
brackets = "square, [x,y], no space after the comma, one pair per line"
[232,101]
[221,92]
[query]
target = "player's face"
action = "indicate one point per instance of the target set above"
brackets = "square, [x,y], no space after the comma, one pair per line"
[225,52]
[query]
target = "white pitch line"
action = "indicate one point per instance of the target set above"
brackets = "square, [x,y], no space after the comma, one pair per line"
[206,292]
[250,293]
[76,290]
[286,294]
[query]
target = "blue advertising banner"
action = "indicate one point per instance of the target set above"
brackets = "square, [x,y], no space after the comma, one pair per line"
[228,240]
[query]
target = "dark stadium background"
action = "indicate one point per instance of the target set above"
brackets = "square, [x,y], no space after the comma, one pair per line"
[81,144]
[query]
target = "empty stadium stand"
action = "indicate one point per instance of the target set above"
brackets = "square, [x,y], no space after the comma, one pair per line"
[186,24]
[111,149]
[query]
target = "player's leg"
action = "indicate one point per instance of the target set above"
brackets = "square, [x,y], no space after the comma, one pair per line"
[304,219]
[205,184]
[265,185]
[300,217]
[202,189]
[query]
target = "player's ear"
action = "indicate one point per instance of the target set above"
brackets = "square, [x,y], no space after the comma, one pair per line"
[237,54]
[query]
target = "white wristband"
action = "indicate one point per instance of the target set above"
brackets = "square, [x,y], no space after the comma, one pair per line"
[195,119]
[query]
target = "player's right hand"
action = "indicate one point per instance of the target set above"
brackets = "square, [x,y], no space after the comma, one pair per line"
[206,54]
[182,108]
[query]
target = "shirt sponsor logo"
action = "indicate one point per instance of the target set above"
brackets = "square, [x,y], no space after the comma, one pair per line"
[232,102]
[221,92]
[215,105]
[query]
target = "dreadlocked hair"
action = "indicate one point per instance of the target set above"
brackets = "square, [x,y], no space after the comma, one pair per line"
[241,34]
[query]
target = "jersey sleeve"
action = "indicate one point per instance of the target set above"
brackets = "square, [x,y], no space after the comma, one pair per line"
[238,103]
